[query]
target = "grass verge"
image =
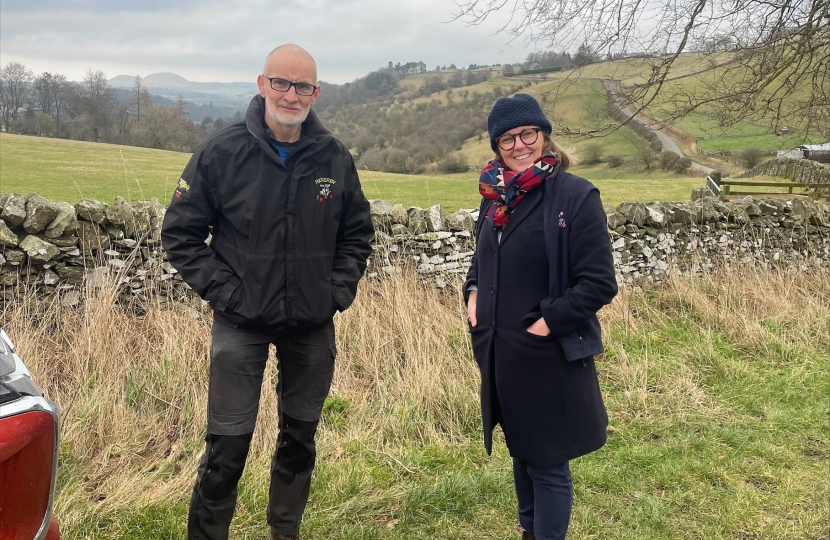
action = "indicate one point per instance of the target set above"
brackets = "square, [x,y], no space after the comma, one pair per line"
[717,391]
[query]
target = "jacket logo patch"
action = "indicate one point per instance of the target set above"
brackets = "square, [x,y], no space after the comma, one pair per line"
[325,189]
[182,187]
[562,219]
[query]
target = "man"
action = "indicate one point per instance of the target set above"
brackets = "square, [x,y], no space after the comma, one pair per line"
[290,231]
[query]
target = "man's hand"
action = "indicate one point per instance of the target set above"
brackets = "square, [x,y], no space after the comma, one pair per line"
[471,308]
[539,328]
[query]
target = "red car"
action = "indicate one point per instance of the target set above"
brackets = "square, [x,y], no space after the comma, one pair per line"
[28,452]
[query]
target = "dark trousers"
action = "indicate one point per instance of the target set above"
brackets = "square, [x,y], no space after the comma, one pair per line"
[305,365]
[545,497]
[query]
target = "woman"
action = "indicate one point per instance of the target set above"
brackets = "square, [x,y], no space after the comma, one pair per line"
[541,271]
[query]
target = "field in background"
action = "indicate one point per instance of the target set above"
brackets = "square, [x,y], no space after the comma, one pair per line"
[64,170]
[578,104]
[71,170]
[716,389]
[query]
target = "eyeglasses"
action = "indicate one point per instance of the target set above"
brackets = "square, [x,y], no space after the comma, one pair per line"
[528,136]
[281,85]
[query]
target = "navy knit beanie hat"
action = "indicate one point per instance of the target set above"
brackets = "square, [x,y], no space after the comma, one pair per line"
[512,112]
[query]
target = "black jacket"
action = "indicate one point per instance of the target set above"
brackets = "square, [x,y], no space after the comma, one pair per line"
[289,241]
[550,408]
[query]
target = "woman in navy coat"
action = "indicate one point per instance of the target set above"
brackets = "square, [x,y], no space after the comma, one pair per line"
[542,270]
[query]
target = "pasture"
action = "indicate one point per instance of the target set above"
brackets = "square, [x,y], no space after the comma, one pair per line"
[71,170]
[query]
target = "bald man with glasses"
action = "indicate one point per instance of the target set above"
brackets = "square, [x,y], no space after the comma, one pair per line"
[289,234]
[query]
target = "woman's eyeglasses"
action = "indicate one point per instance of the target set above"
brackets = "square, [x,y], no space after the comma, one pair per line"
[528,136]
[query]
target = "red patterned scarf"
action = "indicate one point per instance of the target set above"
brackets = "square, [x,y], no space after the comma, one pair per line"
[508,188]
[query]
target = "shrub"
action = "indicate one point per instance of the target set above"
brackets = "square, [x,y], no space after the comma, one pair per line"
[646,157]
[750,158]
[453,163]
[681,166]
[593,154]
[667,160]
[615,160]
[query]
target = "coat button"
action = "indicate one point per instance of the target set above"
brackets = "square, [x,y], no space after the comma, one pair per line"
[493,289]
[491,326]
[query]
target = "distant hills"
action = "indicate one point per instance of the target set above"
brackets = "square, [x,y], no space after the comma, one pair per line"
[170,84]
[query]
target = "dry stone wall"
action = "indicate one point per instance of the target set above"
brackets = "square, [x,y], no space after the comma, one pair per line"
[59,246]
[804,171]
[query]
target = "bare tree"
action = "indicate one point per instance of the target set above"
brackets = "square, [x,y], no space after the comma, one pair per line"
[161,128]
[58,94]
[99,101]
[776,67]
[15,85]
[43,92]
[140,99]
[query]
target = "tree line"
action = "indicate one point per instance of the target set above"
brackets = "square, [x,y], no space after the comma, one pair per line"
[388,127]
[50,105]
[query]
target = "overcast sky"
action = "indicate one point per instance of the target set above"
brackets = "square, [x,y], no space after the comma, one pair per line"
[227,40]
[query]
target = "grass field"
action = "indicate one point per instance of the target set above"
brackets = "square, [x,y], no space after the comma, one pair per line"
[576,104]
[71,170]
[716,389]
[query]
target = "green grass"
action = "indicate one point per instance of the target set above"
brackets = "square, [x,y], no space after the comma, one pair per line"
[71,170]
[718,430]
[577,104]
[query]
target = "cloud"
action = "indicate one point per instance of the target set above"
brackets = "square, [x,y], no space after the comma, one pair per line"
[228,40]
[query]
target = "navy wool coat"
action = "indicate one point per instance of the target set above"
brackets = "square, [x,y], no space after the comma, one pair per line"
[543,391]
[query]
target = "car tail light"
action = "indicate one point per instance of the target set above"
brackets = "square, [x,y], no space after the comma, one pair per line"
[27,456]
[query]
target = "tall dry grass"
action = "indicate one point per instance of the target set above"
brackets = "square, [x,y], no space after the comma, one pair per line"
[133,389]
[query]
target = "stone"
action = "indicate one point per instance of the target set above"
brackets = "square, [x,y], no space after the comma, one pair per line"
[92,210]
[381,212]
[655,216]
[14,257]
[13,209]
[634,212]
[615,219]
[399,215]
[65,222]
[71,299]
[39,251]
[9,276]
[144,215]
[769,207]
[709,214]
[417,220]
[460,221]
[39,213]
[7,237]
[61,241]
[71,274]
[684,213]
[91,237]
[50,278]
[115,233]
[122,216]
[399,230]
[435,220]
